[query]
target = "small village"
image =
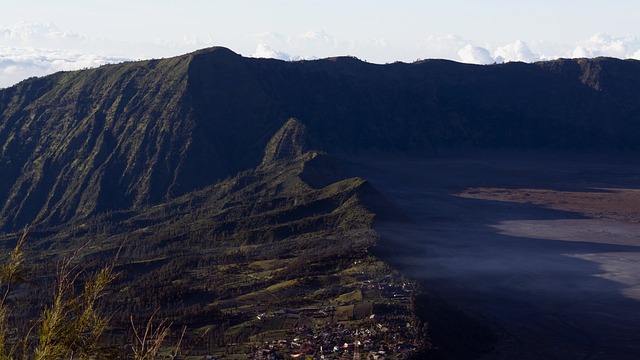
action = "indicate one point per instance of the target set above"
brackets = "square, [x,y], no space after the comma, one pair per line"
[361,333]
[368,340]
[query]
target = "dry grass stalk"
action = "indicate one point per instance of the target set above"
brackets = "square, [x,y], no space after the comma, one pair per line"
[148,342]
[71,327]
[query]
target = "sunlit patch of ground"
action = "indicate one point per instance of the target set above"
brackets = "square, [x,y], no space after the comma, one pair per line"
[603,203]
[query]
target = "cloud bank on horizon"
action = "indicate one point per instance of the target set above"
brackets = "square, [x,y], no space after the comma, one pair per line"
[28,50]
[32,49]
[318,44]
[35,49]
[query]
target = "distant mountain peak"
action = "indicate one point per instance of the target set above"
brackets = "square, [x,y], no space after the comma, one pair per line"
[288,143]
[217,54]
[219,50]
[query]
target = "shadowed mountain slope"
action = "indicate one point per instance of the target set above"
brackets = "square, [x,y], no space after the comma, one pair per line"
[127,135]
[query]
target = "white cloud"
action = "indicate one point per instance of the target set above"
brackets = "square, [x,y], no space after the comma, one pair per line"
[442,47]
[310,45]
[38,35]
[455,47]
[518,51]
[49,36]
[458,48]
[265,51]
[191,42]
[546,50]
[607,45]
[20,63]
[475,55]
[318,35]
[318,44]
[34,49]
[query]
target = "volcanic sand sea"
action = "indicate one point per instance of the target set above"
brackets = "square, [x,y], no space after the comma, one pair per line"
[543,248]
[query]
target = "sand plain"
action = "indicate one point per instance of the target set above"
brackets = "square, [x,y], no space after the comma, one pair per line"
[543,248]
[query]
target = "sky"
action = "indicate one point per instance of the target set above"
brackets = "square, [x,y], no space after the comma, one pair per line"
[39,37]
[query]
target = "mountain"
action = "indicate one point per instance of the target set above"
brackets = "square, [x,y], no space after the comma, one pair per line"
[260,255]
[221,181]
[123,136]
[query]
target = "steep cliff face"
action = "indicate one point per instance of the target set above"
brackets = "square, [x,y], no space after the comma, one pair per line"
[93,140]
[124,136]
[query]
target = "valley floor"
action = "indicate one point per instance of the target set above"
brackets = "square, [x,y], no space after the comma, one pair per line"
[543,248]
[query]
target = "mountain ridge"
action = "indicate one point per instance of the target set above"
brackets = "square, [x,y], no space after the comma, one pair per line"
[127,135]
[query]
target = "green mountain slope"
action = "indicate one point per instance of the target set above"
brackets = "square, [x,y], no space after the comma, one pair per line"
[106,138]
[123,136]
[228,259]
